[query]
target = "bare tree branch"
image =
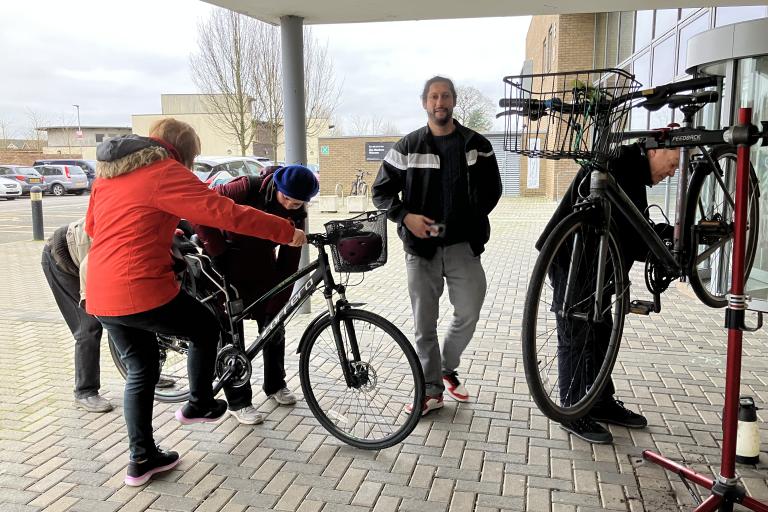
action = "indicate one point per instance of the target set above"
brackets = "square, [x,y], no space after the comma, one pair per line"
[473,109]
[239,68]
[361,125]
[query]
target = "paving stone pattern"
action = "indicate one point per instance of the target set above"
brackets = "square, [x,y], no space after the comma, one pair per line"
[495,453]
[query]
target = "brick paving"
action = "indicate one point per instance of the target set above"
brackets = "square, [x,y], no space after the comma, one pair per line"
[494,453]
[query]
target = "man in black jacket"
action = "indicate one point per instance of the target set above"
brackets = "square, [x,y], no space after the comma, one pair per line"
[633,170]
[439,184]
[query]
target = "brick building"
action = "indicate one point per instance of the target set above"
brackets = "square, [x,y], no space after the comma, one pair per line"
[651,44]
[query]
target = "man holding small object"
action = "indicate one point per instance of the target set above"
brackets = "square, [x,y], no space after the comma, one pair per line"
[439,184]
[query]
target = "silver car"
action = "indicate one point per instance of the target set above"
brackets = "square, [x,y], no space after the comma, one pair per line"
[27,177]
[10,189]
[62,179]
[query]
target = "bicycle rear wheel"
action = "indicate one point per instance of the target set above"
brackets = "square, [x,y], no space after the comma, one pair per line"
[371,414]
[173,385]
[710,214]
[568,354]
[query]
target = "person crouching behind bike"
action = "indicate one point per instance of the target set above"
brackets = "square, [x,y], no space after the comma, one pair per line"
[143,187]
[634,169]
[253,268]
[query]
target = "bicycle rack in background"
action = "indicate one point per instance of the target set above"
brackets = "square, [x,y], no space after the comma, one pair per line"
[332,203]
[358,204]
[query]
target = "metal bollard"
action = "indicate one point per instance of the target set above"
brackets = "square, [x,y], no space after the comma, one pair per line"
[36,198]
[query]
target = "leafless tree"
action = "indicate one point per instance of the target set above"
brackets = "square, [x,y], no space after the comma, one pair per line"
[226,70]
[6,132]
[473,109]
[361,125]
[35,121]
[257,75]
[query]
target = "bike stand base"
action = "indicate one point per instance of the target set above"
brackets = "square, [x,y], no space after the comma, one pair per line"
[725,492]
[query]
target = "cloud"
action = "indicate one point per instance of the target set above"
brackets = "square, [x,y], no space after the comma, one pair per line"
[115,60]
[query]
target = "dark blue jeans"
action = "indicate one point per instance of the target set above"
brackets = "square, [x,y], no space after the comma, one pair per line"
[134,337]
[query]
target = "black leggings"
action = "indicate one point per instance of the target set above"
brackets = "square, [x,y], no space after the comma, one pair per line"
[134,337]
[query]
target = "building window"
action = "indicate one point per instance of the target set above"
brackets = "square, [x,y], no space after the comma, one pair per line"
[728,15]
[643,29]
[696,26]
[642,69]
[663,62]
[548,50]
[612,40]
[626,31]
[600,19]
[99,137]
[665,20]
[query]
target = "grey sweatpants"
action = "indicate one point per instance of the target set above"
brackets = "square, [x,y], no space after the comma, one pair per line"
[461,269]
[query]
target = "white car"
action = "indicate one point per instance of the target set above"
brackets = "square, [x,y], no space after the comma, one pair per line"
[206,167]
[9,189]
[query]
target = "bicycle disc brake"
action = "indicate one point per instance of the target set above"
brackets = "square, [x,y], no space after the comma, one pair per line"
[233,366]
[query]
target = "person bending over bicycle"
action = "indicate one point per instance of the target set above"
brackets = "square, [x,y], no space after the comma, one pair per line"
[634,169]
[253,268]
[144,186]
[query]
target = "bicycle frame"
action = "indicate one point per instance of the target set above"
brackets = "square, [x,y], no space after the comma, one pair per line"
[319,272]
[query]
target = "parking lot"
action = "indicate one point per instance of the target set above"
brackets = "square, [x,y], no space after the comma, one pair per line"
[16,215]
[496,452]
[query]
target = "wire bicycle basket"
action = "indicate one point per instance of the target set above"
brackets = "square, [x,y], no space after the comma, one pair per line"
[568,114]
[358,244]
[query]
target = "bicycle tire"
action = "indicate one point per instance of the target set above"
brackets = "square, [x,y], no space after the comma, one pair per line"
[556,254]
[344,416]
[176,373]
[712,292]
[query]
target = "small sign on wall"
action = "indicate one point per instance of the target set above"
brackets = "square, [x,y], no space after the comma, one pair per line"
[377,150]
[533,166]
[325,150]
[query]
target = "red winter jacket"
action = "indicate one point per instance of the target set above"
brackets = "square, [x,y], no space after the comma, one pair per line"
[135,205]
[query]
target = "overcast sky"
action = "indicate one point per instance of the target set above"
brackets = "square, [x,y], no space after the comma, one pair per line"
[114,59]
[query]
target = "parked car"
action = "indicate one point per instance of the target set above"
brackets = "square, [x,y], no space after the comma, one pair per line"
[27,177]
[10,189]
[205,167]
[219,178]
[64,178]
[89,166]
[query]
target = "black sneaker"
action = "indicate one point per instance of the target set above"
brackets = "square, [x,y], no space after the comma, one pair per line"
[190,414]
[139,472]
[589,430]
[614,412]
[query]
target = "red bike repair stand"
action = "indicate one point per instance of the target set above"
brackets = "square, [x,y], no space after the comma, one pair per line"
[727,489]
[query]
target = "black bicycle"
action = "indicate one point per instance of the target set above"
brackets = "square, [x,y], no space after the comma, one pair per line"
[359,373]
[579,292]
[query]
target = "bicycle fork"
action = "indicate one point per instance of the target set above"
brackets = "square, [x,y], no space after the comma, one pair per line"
[355,373]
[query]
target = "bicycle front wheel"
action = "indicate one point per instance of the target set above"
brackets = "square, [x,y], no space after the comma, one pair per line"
[173,385]
[372,413]
[711,200]
[570,342]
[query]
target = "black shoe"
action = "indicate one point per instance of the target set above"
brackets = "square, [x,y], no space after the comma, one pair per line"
[589,430]
[139,472]
[190,414]
[614,412]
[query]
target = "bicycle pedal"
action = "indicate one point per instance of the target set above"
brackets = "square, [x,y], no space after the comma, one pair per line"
[641,307]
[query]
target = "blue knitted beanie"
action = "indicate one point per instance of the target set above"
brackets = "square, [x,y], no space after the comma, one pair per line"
[296,182]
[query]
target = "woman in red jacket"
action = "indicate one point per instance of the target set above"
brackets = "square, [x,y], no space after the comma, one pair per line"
[144,187]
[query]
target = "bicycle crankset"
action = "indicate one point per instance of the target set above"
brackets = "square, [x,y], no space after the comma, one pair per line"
[233,366]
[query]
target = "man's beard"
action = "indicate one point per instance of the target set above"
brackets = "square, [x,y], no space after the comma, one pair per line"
[442,121]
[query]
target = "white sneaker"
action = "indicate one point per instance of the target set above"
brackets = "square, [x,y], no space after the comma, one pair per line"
[284,397]
[248,415]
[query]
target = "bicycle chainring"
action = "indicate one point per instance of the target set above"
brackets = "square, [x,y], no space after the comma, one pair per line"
[228,357]
[657,280]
